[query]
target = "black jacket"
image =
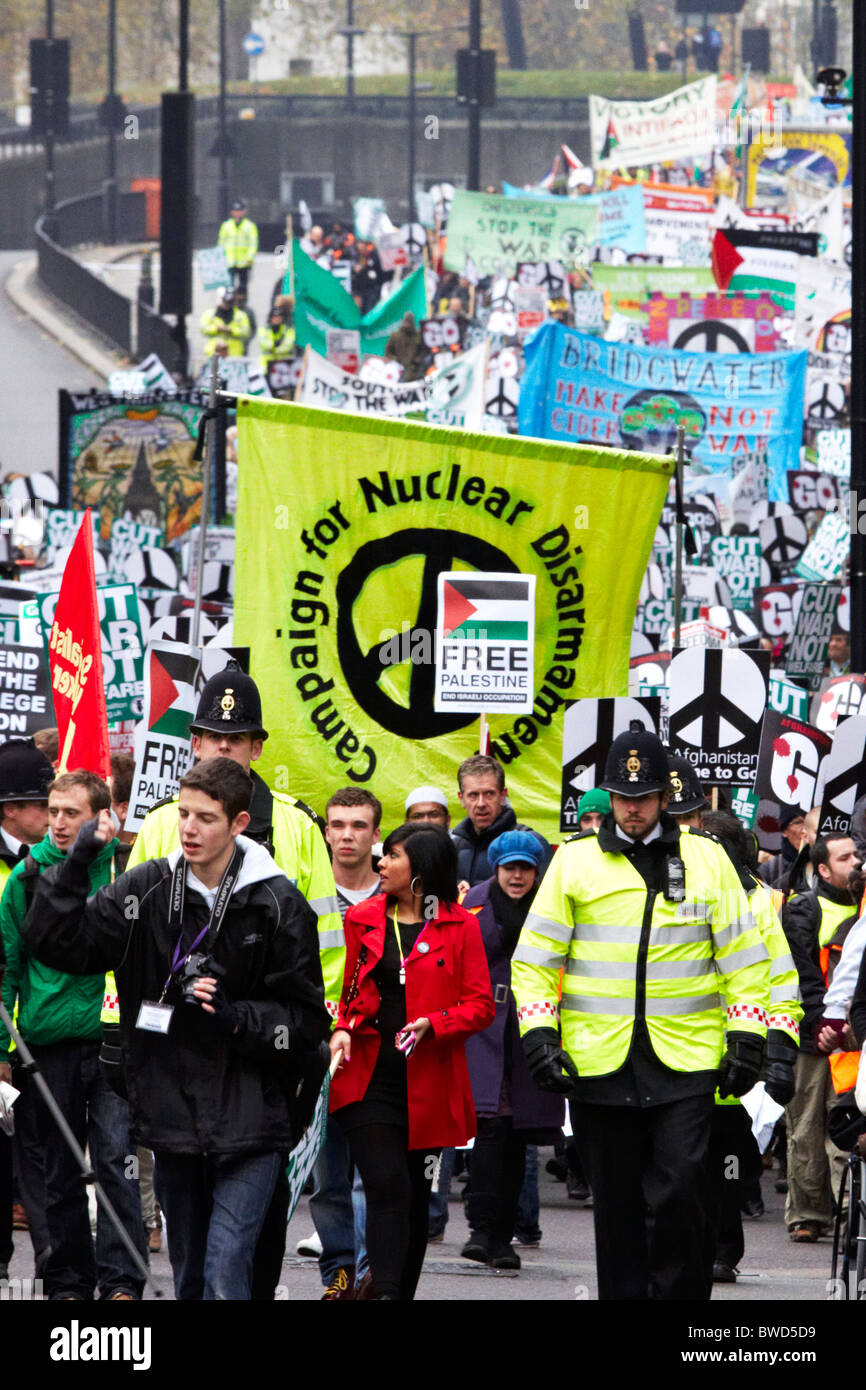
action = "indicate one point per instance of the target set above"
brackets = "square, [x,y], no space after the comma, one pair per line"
[195,1090]
[801,920]
[472,861]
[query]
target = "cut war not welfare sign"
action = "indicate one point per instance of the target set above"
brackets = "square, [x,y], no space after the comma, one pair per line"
[484,642]
[345,525]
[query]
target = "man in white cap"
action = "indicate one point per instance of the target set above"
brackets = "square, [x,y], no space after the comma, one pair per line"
[428,804]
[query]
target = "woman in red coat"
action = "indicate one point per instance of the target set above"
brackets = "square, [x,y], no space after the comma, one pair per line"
[416,985]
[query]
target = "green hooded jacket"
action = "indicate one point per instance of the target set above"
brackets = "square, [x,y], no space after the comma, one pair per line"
[52,1006]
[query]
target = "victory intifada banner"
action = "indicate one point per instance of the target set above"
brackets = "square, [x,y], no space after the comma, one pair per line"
[344,525]
[681,125]
[580,388]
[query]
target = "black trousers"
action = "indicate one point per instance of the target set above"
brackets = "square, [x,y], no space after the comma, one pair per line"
[498,1164]
[648,1170]
[397,1184]
[732,1149]
[7,1247]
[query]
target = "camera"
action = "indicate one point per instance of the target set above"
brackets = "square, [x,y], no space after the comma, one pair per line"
[194,967]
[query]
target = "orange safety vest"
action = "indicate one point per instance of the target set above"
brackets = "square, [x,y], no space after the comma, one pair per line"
[843,1065]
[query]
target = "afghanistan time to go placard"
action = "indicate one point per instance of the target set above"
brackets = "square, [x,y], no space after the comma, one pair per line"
[485,636]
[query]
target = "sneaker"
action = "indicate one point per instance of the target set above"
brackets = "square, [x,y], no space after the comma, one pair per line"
[754,1209]
[364,1288]
[154,1240]
[311,1246]
[805,1232]
[724,1273]
[528,1242]
[437,1239]
[477,1248]
[341,1287]
[578,1189]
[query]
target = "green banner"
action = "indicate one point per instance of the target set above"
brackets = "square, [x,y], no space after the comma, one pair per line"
[344,524]
[495,233]
[322,303]
[629,286]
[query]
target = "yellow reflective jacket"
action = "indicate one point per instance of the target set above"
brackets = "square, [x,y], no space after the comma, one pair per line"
[235,333]
[301,853]
[628,952]
[240,241]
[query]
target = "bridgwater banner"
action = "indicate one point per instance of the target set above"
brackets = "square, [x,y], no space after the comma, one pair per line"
[344,525]
[731,404]
[496,233]
[681,125]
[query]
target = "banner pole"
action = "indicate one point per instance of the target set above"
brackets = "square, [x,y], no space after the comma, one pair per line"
[678,557]
[482,737]
[206,469]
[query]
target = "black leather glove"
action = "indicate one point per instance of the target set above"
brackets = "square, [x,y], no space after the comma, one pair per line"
[547,1061]
[87,846]
[781,1058]
[226,1017]
[740,1067]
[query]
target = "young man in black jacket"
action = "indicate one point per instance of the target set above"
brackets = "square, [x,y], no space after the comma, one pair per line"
[218,974]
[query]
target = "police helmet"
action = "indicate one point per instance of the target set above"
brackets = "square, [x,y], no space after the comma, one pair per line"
[687,794]
[230,702]
[25,773]
[636,764]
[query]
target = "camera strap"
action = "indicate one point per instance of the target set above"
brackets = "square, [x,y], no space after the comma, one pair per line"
[176,903]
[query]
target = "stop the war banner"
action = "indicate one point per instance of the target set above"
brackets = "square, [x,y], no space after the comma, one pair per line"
[681,125]
[453,396]
[580,388]
[496,233]
[336,596]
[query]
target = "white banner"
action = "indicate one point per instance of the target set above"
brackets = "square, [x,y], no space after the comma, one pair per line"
[681,125]
[452,396]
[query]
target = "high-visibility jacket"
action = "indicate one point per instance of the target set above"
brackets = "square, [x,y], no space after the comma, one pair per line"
[786,1007]
[240,241]
[276,344]
[301,853]
[630,953]
[235,332]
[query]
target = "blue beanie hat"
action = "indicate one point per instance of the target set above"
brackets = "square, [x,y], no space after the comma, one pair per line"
[515,845]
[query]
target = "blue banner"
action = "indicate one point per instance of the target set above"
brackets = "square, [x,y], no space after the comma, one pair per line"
[583,389]
[620,213]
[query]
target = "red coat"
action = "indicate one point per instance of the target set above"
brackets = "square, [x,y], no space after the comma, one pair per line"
[450,985]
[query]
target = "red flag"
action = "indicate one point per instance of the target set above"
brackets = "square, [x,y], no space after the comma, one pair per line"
[75,657]
[725,259]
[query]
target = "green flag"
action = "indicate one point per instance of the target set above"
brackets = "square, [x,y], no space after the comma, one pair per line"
[322,303]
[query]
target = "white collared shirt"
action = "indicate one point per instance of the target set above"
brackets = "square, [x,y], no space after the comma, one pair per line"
[13,845]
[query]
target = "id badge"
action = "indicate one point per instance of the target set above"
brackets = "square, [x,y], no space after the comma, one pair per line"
[154,1018]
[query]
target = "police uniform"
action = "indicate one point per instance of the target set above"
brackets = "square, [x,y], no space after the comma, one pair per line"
[240,241]
[661,952]
[25,775]
[235,331]
[687,794]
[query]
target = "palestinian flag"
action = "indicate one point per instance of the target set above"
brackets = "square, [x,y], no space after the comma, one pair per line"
[610,140]
[725,260]
[170,698]
[496,608]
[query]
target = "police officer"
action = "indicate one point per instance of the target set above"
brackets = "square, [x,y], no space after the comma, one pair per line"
[687,795]
[276,340]
[239,238]
[646,917]
[25,775]
[225,323]
[228,724]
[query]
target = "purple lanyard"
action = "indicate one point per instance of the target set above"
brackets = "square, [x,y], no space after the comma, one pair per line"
[218,912]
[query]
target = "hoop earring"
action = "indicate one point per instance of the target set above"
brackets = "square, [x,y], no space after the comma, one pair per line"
[416,878]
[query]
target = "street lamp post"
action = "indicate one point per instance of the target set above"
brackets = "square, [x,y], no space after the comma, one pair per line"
[223,184]
[473,179]
[50,187]
[109,190]
[412,36]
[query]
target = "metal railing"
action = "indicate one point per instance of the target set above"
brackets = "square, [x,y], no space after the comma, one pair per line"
[74,222]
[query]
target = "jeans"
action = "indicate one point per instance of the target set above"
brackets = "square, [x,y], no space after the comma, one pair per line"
[99,1119]
[439,1194]
[214,1207]
[527,1227]
[339,1209]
